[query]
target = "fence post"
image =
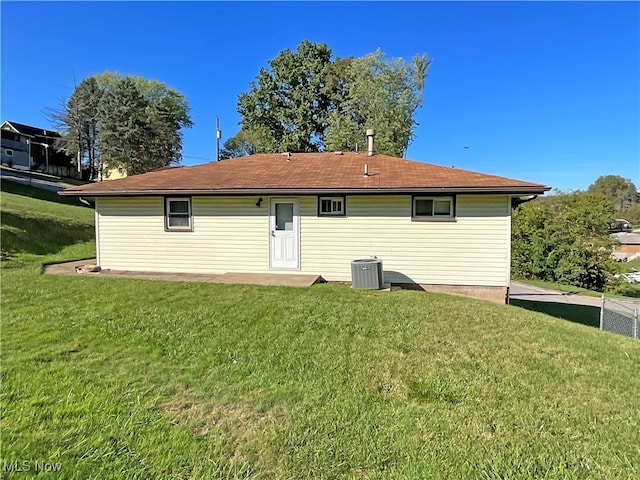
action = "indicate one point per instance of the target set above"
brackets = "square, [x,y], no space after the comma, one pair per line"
[602,312]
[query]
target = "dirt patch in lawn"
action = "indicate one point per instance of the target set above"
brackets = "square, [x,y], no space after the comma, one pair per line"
[245,432]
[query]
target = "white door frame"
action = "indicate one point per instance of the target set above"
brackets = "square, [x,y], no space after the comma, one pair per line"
[276,237]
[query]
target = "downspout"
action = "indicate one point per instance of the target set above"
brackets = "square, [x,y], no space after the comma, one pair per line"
[517,201]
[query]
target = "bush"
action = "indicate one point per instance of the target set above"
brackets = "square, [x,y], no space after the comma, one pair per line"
[564,239]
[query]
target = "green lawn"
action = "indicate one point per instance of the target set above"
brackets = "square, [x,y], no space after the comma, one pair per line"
[41,222]
[122,378]
[632,266]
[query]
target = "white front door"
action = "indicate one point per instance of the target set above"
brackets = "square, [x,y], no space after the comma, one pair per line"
[284,224]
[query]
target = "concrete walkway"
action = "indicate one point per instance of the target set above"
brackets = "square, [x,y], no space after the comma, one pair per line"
[284,279]
[523,291]
[26,179]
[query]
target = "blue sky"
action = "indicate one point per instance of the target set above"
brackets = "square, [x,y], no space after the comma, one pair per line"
[543,91]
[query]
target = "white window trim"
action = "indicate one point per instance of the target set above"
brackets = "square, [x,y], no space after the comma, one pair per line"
[332,198]
[8,152]
[434,216]
[167,214]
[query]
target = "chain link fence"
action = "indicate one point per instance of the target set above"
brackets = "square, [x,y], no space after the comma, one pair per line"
[618,318]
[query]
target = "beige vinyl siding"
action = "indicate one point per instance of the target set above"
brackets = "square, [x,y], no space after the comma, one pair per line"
[473,250]
[232,234]
[229,234]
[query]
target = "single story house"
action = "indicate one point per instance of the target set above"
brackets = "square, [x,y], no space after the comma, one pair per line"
[628,247]
[445,229]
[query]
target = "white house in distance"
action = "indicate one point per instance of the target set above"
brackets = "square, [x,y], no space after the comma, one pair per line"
[445,229]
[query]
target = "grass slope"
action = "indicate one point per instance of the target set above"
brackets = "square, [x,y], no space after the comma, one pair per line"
[41,222]
[121,378]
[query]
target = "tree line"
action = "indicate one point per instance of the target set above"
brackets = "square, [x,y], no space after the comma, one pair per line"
[124,123]
[308,101]
[303,101]
[564,238]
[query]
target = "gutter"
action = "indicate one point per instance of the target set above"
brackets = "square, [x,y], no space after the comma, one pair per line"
[516,202]
[308,191]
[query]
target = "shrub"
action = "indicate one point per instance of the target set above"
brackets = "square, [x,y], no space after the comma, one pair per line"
[563,238]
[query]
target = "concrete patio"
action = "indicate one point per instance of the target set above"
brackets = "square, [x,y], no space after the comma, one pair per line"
[284,279]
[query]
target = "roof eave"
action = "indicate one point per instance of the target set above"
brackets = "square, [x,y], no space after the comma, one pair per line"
[14,129]
[512,190]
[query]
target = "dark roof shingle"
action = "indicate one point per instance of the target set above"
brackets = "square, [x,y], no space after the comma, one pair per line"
[308,173]
[33,131]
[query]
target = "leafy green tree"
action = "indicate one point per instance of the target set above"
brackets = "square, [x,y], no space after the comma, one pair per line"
[143,117]
[621,192]
[124,122]
[563,238]
[123,128]
[139,130]
[306,102]
[287,105]
[531,242]
[632,214]
[383,95]
[241,144]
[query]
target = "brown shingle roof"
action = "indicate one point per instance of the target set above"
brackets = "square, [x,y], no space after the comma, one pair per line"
[310,173]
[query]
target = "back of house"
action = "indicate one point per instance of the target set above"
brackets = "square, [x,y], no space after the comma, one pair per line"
[442,228]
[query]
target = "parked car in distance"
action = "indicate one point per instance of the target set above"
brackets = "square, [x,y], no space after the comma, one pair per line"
[619,225]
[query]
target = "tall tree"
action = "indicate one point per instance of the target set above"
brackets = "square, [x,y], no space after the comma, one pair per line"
[288,104]
[90,97]
[621,192]
[123,128]
[147,107]
[383,95]
[124,122]
[632,214]
[78,119]
[306,102]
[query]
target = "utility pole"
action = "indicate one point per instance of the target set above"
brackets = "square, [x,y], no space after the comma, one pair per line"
[218,137]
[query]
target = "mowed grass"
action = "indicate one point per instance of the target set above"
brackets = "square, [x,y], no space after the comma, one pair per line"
[41,222]
[121,378]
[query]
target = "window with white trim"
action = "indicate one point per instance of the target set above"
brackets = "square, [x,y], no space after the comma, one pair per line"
[433,207]
[8,152]
[178,214]
[331,206]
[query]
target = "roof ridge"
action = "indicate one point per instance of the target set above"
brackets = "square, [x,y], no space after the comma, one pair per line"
[313,173]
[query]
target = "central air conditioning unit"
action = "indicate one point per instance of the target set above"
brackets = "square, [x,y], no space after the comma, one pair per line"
[367,273]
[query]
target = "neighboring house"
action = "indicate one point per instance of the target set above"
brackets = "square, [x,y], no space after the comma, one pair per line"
[31,148]
[629,246]
[112,174]
[445,229]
